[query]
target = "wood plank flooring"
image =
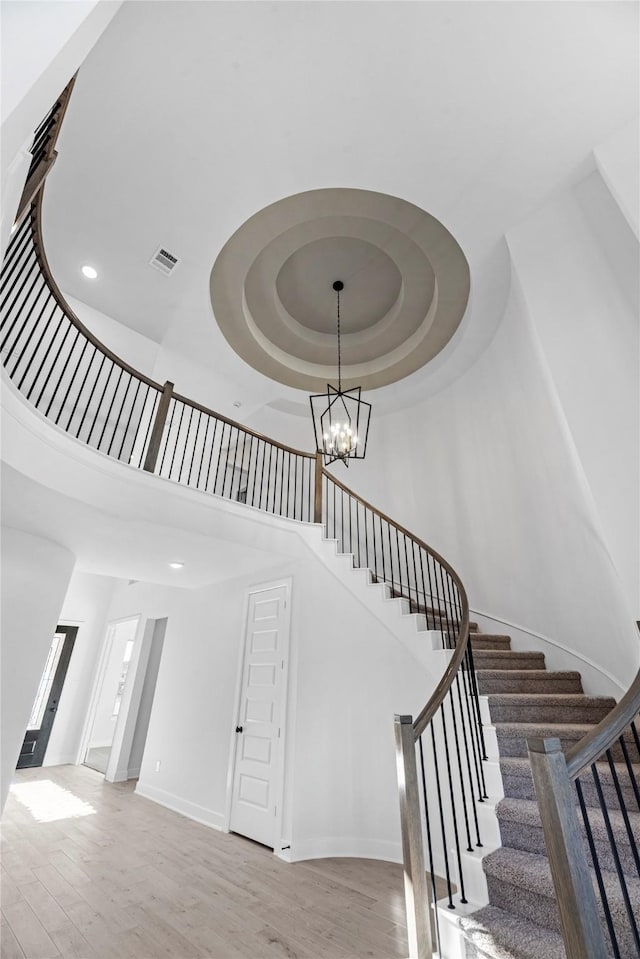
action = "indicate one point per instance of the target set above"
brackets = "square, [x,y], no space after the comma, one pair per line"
[125,878]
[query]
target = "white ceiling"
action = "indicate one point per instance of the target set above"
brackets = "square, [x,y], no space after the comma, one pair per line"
[190,117]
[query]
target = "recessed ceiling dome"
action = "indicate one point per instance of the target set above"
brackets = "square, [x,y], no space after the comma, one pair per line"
[406,286]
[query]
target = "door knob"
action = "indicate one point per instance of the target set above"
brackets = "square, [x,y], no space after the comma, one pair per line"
[238,729]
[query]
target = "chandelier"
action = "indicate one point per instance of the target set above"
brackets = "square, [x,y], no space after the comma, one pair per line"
[340,417]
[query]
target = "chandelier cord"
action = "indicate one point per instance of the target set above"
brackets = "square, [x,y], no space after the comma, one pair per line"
[339,355]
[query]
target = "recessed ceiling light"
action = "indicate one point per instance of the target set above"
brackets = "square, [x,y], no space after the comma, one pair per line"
[237,404]
[176,565]
[89,272]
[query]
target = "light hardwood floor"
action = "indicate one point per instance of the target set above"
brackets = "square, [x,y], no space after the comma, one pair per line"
[132,880]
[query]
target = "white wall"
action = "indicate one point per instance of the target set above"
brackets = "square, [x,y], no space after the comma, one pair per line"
[85,606]
[489,473]
[618,160]
[139,740]
[347,678]
[577,267]
[35,577]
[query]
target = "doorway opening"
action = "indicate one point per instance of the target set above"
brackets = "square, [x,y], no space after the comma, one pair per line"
[123,698]
[47,698]
[110,691]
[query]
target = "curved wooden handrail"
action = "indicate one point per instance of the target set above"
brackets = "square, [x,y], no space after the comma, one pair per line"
[241,426]
[437,697]
[591,747]
[402,529]
[462,640]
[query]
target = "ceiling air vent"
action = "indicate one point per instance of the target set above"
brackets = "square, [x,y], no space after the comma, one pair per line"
[164,261]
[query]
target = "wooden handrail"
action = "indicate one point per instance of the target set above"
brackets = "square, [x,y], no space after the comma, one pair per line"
[401,529]
[37,176]
[593,745]
[240,426]
[462,641]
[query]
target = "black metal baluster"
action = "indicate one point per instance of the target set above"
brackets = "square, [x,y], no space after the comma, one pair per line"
[255,474]
[631,772]
[623,809]
[195,449]
[452,797]
[295,491]
[463,790]
[28,313]
[287,500]
[269,477]
[13,310]
[475,741]
[406,568]
[122,407]
[186,443]
[445,850]
[177,437]
[108,414]
[212,452]
[220,451]
[434,892]
[596,866]
[81,389]
[167,434]
[27,343]
[128,423]
[466,734]
[616,859]
[154,407]
[234,467]
[16,250]
[64,366]
[93,389]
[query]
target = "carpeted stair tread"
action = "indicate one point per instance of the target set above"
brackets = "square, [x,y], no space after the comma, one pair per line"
[527,680]
[489,641]
[521,883]
[512,737]
[507,659]
[518,782]
[548,707]
[525,814]
[496,934]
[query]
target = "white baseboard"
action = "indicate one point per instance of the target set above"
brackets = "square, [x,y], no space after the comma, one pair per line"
[60,759]
[183,806]
[344,847]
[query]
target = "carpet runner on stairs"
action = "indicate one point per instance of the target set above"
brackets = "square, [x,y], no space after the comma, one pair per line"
[527,700]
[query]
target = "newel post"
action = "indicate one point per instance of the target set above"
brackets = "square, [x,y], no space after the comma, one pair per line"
[158,428]
[317,501]
[579,918]
[415,881]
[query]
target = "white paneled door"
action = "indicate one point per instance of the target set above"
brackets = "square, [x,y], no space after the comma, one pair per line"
[259,732]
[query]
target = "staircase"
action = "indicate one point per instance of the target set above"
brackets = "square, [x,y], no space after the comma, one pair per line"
[525,700]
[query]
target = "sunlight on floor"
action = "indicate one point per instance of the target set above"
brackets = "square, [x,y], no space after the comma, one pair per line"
[48,802]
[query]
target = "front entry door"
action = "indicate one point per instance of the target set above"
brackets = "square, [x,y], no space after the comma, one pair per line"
[47,698]
[259,733]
